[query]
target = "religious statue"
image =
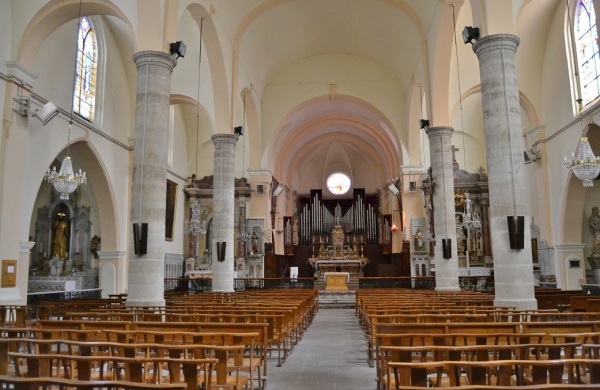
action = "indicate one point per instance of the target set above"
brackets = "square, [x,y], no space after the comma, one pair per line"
[60,239]
[254,242]
[418,241]
[595,227]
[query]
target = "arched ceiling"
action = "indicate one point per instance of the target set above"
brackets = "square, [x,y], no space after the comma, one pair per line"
[390,32]
[270,35]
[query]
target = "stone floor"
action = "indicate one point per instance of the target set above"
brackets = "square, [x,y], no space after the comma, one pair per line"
[332,355]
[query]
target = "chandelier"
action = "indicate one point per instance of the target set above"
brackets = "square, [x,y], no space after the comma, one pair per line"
[65,181]
[197,224]
[585,166]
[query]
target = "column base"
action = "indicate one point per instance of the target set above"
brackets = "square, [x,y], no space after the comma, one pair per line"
[519,304]
[144,303]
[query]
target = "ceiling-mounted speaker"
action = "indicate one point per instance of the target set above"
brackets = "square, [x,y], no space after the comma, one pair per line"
[260,189]
[412,186]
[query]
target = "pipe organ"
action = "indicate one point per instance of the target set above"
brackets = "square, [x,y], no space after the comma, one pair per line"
[357,216]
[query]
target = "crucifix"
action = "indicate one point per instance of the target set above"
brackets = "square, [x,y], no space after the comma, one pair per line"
[454,163]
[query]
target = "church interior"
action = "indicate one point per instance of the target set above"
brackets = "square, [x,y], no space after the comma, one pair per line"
[330,122]
[154,146]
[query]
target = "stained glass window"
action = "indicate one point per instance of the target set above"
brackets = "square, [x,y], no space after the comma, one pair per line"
[338,183]
[586,41]
[85,78]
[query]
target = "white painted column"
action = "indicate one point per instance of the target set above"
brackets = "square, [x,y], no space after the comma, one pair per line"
[440,147]
[149,181]
[513,269]
[15,182]
[223,211]
[112,272]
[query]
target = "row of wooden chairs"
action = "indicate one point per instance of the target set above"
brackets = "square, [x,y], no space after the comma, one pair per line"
[143,362]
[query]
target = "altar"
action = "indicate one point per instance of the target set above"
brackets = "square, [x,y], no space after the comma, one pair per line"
[337,281]
[338,255]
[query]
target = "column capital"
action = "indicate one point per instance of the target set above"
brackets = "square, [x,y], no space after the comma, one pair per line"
[16,70]
[224,138]
[496,42]
[156,58]
[439,131]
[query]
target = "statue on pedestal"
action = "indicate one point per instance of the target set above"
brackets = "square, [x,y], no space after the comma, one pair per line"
[60,239]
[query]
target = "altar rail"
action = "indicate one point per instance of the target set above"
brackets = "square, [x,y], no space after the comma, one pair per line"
[467,283]
[35,298]
[274,284]
[200,285]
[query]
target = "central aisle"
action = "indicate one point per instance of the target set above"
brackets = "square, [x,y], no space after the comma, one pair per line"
[332,355]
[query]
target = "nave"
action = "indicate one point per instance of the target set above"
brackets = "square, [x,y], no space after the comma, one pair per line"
[331,355]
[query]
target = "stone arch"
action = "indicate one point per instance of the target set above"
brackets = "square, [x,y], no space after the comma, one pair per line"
[253,128]
[56,13]
[98,179]
[218,69]
[376,135]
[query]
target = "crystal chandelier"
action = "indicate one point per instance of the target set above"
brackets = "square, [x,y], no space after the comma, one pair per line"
[66,180]
[197,224]
[585,166]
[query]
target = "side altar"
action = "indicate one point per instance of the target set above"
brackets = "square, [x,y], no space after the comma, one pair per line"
[338,253]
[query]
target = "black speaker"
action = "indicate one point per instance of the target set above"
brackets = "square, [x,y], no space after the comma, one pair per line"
[140,238]
[447,248]
[260,189]
[412,186]
[516,231]
[221,245]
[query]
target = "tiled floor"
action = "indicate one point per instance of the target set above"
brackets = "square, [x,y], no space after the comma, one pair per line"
[331,356]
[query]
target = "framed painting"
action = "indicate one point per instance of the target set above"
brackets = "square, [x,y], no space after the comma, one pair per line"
[9,273]
[170,210]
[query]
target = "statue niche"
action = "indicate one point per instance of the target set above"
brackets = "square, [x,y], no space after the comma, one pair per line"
[63,247]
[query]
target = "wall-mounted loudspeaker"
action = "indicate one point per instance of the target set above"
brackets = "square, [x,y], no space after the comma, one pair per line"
[260,189]
[412,186]
[394,189]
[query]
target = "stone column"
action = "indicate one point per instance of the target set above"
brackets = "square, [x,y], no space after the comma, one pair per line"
[440,146]
[513,269]
[223,217]
[149,181]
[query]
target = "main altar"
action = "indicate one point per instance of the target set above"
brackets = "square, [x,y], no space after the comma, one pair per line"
[338,253]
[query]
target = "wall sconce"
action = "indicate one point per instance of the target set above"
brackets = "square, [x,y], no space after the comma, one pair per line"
[177,49]
[394,228]
[470,34]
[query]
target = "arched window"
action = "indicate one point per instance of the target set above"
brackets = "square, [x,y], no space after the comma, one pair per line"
[588,59]
[84,96]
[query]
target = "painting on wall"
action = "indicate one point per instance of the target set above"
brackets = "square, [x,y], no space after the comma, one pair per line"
[170,210]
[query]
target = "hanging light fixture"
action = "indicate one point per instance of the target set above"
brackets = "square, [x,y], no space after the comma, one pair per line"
[65,181]
[243,234]
[586,166]
[197,223]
